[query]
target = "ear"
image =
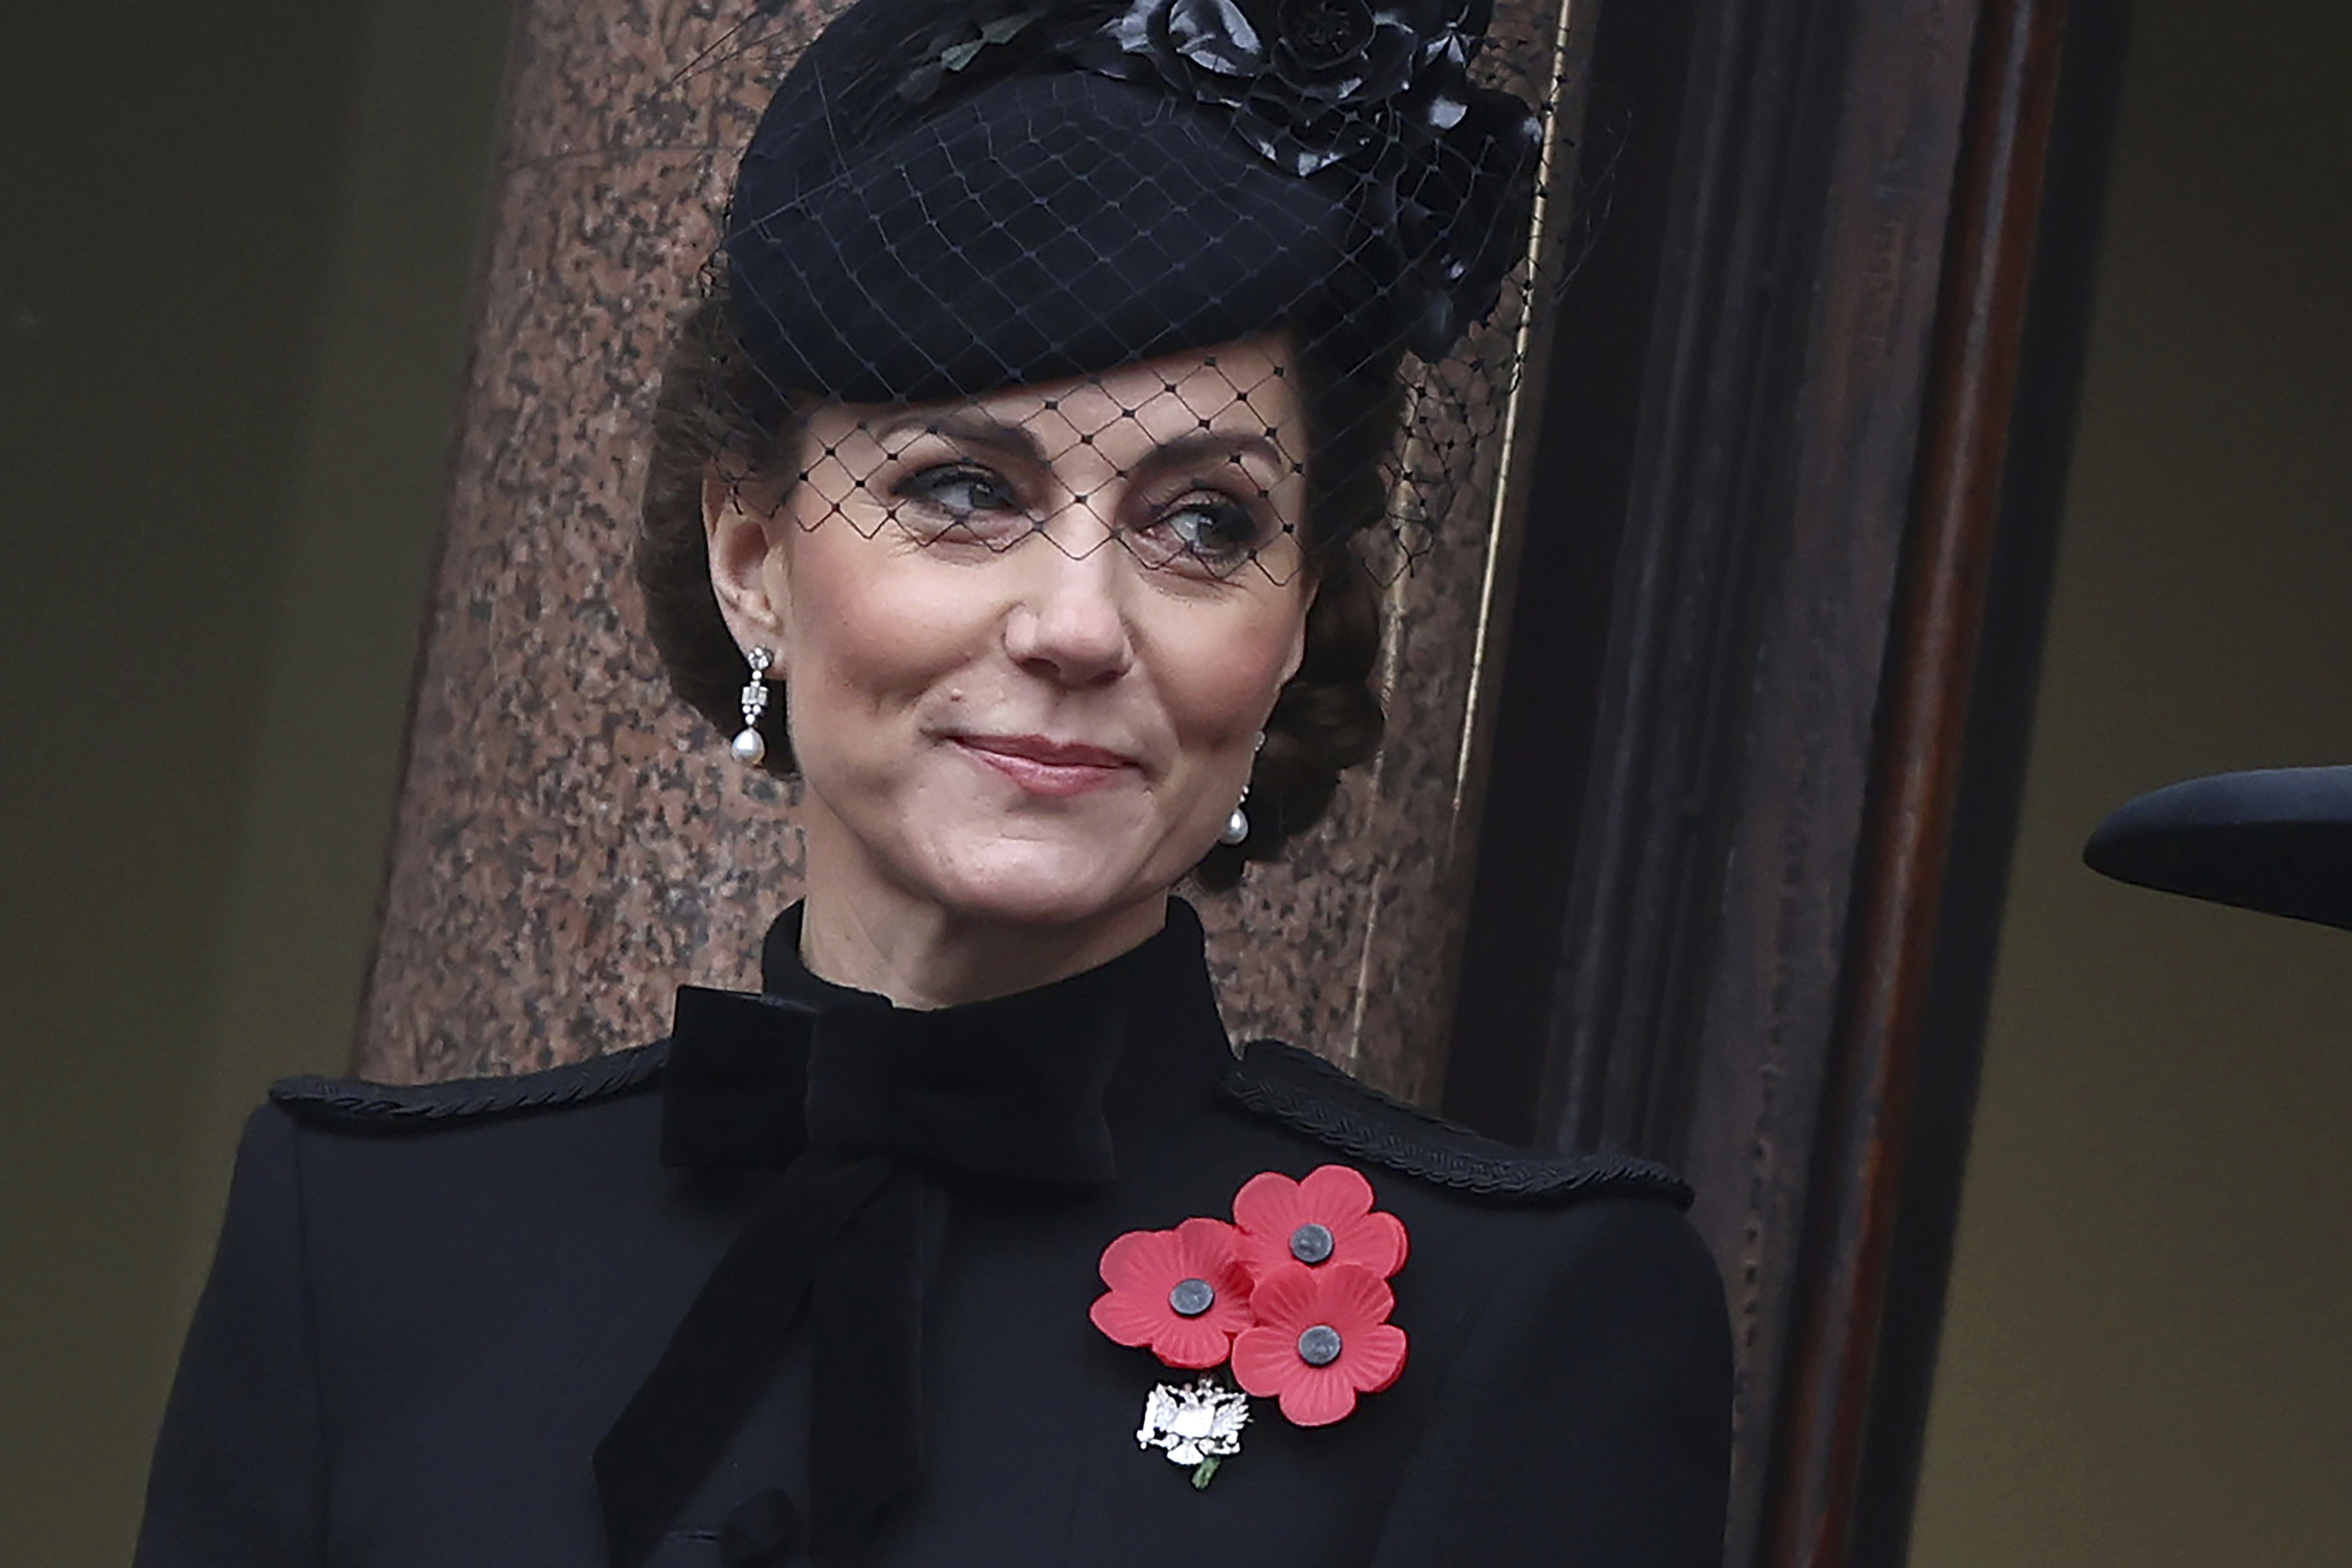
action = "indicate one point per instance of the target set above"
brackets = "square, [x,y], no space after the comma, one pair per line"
[748,564]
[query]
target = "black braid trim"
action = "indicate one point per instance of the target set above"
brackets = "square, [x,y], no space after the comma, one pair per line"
[356,1105]
[1304,1092]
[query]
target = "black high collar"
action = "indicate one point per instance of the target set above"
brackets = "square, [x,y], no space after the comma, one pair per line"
[1031,1085]
[860,1104]
[1170,1049]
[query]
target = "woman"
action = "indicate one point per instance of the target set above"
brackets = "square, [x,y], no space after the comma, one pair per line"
[1004,490]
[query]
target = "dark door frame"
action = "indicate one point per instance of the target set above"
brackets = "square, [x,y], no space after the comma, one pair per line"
[1760,729]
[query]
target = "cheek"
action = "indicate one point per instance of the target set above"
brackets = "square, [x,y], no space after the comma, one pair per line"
[1220,681]
[869,630]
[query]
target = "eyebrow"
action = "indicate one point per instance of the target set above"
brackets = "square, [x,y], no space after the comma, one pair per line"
[967,424]
[1203,447]
[1206,446]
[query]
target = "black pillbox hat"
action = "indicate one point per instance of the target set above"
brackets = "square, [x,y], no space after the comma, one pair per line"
[946,197]
[1047,226]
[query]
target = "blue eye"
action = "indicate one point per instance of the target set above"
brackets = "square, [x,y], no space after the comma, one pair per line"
[960,490]
[1204,531]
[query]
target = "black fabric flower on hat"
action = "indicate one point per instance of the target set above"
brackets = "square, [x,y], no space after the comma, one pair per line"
[1310,82]
[1445,168]
[1462,213]
[1307,81]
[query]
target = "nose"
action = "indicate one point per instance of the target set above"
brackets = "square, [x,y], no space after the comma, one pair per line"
[1070,625]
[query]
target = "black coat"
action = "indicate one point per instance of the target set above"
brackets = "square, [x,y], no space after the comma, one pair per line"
[431,1305]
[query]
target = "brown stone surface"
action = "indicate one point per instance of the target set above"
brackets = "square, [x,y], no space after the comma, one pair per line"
[572,844]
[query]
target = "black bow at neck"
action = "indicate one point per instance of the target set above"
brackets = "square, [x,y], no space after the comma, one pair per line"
[861,1105]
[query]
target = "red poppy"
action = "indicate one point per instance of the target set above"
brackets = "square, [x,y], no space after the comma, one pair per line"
[1182,1292]
[1326,1220]
[1322,1338]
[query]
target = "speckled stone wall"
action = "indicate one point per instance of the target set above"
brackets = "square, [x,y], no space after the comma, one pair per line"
[571,843]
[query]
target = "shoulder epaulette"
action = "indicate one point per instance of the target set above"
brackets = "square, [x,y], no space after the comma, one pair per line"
[356,1105]
[1304,1092]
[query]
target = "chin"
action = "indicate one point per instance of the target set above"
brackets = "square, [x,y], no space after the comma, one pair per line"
[1030,883]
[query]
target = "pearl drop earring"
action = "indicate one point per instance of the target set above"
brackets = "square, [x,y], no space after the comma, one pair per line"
[749,745]
[1237,825]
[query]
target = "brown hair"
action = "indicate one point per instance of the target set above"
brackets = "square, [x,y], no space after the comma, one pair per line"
[714,407]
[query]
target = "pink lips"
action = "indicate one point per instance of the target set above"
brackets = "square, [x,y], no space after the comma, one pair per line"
[1044,766]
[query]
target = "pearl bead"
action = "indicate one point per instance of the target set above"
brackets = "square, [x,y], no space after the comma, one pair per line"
[749,746]
[1236,827]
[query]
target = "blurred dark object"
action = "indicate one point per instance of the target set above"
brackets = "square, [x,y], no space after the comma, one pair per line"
[2278,840]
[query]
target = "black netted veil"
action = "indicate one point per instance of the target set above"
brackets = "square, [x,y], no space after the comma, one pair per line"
[1284,241]
[1054,227]
[926,216]
[946,198]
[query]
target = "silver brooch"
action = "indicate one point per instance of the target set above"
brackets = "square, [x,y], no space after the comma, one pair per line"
[1199,1424]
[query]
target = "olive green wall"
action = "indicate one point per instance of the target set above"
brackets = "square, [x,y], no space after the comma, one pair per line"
[227,384]
[232,275]
[2147,1358]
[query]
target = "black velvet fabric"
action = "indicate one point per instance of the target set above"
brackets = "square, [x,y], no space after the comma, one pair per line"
[734,1090]
[2278,840]
[1011,1088]
[414,1339]
[680,1419]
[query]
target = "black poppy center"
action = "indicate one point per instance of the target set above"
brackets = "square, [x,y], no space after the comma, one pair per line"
[1319,1346]
[1311,1243]
[1326,32]
[1191,1298]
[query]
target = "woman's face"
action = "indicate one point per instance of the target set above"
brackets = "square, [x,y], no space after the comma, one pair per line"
[1028,641]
